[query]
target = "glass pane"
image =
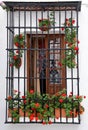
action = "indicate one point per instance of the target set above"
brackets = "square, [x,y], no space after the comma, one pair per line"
[54,58]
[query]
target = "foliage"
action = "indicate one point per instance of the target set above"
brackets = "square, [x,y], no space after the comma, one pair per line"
[45,24]
[41,107]
[71,43]
[15,56]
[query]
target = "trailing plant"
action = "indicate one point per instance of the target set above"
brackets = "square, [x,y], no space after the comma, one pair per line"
[42,107]
[71,43]
[15,56]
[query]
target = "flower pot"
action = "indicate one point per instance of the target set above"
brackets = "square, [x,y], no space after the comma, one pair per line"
[44,24]
[62,113]
[21,113]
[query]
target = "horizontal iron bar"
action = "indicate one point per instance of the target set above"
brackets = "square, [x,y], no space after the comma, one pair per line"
[44,5]
[36,49]
[36,78]
[26,122]
[9,27]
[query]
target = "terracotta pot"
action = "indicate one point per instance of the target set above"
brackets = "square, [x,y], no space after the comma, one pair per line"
[21,113]
[62,113]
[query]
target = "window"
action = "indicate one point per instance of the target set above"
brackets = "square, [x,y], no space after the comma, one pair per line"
[42,62]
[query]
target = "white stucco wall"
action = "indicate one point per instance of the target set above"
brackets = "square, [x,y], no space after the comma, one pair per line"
[83,37]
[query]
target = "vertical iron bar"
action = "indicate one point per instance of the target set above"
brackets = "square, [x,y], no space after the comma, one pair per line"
[65,66]
[18,68]
[6,116]
[71,66]
[30,68]
[24,52]
[77,65]
[60,55]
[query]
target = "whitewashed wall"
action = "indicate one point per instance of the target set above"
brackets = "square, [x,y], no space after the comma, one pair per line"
[83,36]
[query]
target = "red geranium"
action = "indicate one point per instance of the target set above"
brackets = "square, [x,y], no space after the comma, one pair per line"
[50,122]
[73,21]
[37,104]
[76,48]
[15,57]
[31,91]
[23,97]
[60,100]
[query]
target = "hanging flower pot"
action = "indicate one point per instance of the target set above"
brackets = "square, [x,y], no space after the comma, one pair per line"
[44,24]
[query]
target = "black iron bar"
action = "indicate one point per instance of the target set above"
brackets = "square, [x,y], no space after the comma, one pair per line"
[7,73]
[24,56]
[65,66]
[77,66]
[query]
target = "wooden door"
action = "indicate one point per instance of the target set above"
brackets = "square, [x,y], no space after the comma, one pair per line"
[53,74]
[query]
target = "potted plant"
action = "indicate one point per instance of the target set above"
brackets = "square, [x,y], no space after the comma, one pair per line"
[46,24]
[44,107]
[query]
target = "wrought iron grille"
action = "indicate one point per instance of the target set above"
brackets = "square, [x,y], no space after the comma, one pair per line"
[42,60]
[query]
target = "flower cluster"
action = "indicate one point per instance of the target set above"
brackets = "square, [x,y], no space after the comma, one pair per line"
[71,43]
[15,56]
[42,107]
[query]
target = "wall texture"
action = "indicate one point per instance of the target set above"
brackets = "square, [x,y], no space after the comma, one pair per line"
[83,53]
